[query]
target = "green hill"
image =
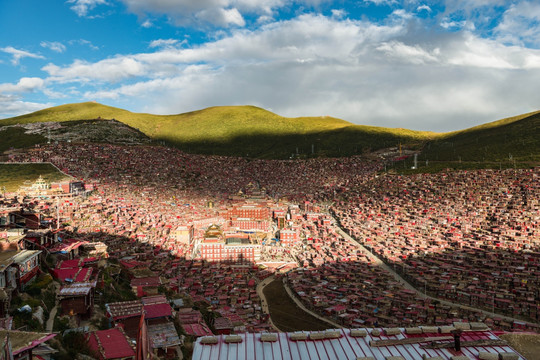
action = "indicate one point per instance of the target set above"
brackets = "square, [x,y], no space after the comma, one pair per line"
[239,130]
[515,138]
[255,132]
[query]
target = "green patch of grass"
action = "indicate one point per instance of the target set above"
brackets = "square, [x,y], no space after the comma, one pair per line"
[508,140]
[282,309]
[15,138]
[12,176]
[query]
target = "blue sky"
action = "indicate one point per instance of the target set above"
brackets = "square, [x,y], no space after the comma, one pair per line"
[427,65]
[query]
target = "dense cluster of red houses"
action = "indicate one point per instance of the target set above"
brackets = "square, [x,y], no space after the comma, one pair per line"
[179,222]
[471,237]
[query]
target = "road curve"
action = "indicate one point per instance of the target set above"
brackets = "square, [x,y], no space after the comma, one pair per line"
[264,303]
[407,285]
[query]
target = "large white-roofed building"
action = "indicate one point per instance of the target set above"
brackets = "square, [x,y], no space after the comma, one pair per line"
[347,344]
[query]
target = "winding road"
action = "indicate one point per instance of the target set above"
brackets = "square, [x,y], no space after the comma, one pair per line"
[376,260]
[407,285]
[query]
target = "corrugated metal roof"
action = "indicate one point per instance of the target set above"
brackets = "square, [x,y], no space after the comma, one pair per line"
[163,335]
[77,289]
[344,347]
[124,309]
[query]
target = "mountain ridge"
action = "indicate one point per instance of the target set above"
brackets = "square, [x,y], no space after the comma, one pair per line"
[256,132]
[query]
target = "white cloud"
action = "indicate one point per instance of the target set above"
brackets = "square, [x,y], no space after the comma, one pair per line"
[147,24]
[381,2]
[520,24]
[451,24]
[220,13]
[338,13]
[82,7]
[423,7]
[19,54]
[112,70]
[160,43]
[25,84]
[12,106]
[86,43]
[54,46]
[221,17]
[411,54]
[314,65]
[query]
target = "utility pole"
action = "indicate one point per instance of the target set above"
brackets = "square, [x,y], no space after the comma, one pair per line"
[57,212]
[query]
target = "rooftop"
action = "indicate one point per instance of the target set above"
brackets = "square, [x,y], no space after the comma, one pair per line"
[114,344]
[22,340]
[343,344]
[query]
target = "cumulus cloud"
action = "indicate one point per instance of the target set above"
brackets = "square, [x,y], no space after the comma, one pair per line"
[313,65]
[54,46]
[412,54]
[219,13]
[17,54]
[363,72]
[520,24]
[221,17]
[112,70]
[338,13]
[82,7]
[85,43]
[12,106]
[25,84]
[381,2]
[161,43]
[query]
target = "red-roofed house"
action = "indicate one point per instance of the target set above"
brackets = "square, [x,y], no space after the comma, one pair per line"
[155,311]
[126,314]
[111,344]
[141,286]
[77,298]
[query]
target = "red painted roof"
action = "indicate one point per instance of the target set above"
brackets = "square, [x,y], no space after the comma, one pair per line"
[114,342]
[64,274]
[84,275]
[157,310]
[68,264]
[147,281]
[197,329]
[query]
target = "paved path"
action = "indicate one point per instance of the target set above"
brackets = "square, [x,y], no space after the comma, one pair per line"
[52,315]
[50,320]
[410,287]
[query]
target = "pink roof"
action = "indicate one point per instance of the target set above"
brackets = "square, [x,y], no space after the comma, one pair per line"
[147,281]
[157,310]
[197,329]
[68,264]
[114,342]
[64,274]
[84,275]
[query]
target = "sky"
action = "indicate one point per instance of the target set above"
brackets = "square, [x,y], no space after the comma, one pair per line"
[423,65]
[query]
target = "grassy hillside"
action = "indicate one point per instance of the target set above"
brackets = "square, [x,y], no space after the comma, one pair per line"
[511,139]
[255,132]
[14,137]
[239,130]
[12,176]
